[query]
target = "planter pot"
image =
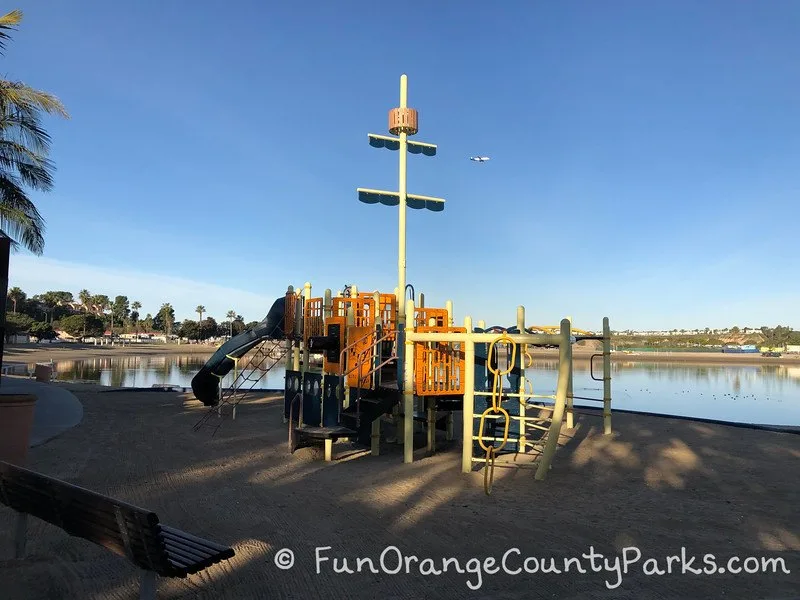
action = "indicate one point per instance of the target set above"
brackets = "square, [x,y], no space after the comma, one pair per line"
[16,422]
[43,373]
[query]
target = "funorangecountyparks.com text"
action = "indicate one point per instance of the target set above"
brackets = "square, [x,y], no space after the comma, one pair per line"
[393,561]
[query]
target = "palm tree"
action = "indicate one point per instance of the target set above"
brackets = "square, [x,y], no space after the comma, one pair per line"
[200,310]
[85,298]
[230,316]
[101,303]
[167,315]
[15,294]
[135,307]
[24,147]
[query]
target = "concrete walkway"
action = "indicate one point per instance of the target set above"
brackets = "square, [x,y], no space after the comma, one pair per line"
[57,409]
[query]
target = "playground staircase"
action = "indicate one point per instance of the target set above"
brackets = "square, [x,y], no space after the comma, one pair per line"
[364,405]
[367,405]
[259,361]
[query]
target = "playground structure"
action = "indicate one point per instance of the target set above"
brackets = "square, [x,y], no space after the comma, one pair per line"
[385,358]
[447,369]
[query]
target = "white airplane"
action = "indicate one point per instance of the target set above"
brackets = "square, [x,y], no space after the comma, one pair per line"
[479,158]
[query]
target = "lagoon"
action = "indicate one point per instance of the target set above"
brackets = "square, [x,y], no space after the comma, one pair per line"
[767,394]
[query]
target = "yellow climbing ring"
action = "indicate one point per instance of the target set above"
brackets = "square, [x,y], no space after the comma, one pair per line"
[528,356]
[495,408]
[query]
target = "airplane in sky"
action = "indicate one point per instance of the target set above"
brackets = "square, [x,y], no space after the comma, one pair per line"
[479,158]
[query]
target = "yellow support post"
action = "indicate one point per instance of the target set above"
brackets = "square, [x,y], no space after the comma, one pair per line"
[606,377]
[468,407]
[521,326]
[327,307]
[299,307]
[289,343]
[375,437]
[570,399]
[235,377]
[564,361]
[408,387]
[448,305]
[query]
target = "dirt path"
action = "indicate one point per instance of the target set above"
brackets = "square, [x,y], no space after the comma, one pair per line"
[658,485]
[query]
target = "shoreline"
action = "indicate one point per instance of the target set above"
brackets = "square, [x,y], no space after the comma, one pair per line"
[32,353]
[694,358]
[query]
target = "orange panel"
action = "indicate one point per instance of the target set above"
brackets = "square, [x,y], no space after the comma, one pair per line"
[363,308]
[313,320]
[288,320]
[423,315]
[438,366]
[388,313]
[359,356]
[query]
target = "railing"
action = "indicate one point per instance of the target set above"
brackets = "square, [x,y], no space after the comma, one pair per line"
[369,344]
[268,350]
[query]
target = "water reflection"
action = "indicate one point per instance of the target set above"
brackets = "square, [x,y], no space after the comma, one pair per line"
[755,394]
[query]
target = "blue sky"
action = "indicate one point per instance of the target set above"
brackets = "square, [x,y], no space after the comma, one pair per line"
[214,152]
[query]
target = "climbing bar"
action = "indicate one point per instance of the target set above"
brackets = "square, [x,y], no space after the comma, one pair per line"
[518,395]
[478,438]
[506,464]
[585,398]
[515,417]
[519,338]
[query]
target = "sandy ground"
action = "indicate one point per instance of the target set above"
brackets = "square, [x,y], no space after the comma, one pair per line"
[658,485]
[31,353]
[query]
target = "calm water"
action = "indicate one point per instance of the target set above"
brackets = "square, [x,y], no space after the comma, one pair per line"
[763,394]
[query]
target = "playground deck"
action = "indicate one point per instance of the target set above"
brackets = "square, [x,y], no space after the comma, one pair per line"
[657,485]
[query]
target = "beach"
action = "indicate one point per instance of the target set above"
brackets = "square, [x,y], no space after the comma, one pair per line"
[656,486]
[31,353]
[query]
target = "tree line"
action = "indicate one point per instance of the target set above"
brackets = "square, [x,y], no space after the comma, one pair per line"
[772,337]
[92,315]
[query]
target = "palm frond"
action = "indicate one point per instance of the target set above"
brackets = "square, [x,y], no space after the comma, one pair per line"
[28,99]
[8,23]
[23,128]
[33,169]
[19,217]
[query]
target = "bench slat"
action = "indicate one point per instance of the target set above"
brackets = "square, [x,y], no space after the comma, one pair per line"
[16,473]
[44,501]
[78,520]
[83,513]
[69,505]
[188,553]
[178,534]
[169,537]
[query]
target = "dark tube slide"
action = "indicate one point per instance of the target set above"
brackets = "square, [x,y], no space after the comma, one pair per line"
[205,384]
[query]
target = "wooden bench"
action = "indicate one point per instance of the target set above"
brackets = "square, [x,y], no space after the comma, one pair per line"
[122,528]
